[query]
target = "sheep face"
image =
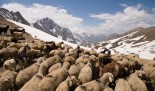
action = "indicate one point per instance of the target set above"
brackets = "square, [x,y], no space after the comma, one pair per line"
[72,81]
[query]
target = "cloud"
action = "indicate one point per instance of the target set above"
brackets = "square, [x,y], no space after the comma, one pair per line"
[153,10]
[123,5]
[37,11]
[120,22]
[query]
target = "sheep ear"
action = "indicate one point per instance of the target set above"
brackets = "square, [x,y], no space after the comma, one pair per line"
[110,78]
[70,83]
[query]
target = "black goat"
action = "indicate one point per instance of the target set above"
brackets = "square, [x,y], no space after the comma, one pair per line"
[16,30]
[23,55]
[4,29]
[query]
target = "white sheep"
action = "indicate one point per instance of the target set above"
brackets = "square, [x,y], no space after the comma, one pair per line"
[54,67]
[65,85]
[10,65]
[32,85]
[86,73]
[53,79]
[80,59]
[26,74]
[40,60]
[75,69]
[7,53]
[42,69]
[53,60]
[122,85]
[97,85]
[7,80]
[136,83]
[150,73]
[69,59]
[108,89]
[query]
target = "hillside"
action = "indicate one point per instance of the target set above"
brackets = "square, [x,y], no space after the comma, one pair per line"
[140,41]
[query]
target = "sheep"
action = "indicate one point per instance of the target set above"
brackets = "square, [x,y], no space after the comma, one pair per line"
[53,60]
[75,69]
[31,54]
[118,57]
[18,35]
[7,80]
[4,29]
[66,85]
[98,84]
[51,53]
[61,53]
[148,70]
[73,54]
[53,79]
[85,74]
[48,47]
[80,59]
[1,45]
[111,67]
[86,52]
[40,60]
[26,74]
[54,67]
[104,59]
[122,85]
[133,65]
[150,73]
[124,62]
[39,45]
[59,45]
[32,85]
[69,59]
[136,83]
[93,52]
[7,53]
[85,59]
[43,69]
[10,65]
[108,89]
[16,45]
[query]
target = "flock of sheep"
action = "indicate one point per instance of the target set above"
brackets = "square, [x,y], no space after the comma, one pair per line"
[36,65]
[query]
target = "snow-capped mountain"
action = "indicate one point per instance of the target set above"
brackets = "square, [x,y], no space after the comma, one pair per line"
[16,16]
[49,26]
[140,41]
[87,39]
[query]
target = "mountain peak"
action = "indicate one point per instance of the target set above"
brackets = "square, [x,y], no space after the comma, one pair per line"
[16,16]
[49,26]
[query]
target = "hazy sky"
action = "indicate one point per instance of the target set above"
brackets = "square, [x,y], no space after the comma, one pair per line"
[91,16]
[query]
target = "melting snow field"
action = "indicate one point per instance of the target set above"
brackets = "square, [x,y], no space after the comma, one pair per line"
[143,49]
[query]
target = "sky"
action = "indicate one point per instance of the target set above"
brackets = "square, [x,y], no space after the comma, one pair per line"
[90,16]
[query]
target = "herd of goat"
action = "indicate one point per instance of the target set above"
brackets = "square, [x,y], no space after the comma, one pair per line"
[36,65]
